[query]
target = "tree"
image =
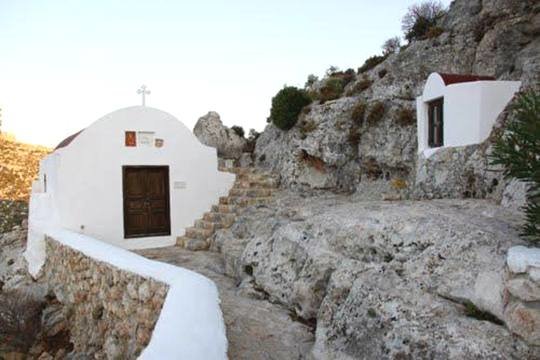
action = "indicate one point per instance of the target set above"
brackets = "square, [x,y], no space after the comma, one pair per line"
[391,46]
[518,151]
[420,18]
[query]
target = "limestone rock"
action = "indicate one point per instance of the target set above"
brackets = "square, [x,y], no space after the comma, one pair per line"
[210,131]
[382,280]
[488,293]
[515,195]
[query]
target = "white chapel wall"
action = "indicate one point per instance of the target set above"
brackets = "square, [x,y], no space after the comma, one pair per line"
[495,96]
[462,114]
[88,194]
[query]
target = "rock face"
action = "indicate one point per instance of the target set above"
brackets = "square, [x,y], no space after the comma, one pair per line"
[381,280]
[13,273]
[32,324]
[210,131]
[328,149]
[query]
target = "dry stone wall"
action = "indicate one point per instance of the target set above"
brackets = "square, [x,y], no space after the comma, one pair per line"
[522,312]
[112,312]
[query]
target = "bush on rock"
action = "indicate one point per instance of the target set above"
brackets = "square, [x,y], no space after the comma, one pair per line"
[287,105]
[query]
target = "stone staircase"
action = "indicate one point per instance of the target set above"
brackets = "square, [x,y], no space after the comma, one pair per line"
[251,187]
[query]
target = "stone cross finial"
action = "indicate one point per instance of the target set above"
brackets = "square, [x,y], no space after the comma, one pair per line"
[143,91]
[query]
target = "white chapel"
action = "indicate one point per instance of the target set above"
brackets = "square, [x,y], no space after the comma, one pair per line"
[135,178]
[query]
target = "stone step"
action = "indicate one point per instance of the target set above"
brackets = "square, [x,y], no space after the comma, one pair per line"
[223,218]
[192,244]
[198,233]
[255,176]
[210,225]
[247,184]
[224,208]
[247,201]
[254,193]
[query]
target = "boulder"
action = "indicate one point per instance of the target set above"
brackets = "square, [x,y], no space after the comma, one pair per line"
[211,132]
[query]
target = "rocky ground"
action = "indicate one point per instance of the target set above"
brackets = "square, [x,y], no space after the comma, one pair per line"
[377,279]
[32,324]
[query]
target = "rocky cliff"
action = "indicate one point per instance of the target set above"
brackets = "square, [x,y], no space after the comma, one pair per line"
[330,149]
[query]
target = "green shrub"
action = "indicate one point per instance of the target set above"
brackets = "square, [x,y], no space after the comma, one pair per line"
[518,151]
[347,76]
[332,89]
[406,116]
[376,113]
[287,105]
[359,112]
[238,130]
[370,63]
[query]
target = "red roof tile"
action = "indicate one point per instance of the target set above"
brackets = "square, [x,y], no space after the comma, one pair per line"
[459,78]
[68,140]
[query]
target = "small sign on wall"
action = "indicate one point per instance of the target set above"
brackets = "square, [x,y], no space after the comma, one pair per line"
[130,138]
[180,185]
[146,138]
[159,143]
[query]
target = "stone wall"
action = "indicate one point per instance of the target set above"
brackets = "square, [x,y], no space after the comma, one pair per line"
[112,312]
[522,312]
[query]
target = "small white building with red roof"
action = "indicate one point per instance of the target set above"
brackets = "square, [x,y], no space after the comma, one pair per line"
[458,110]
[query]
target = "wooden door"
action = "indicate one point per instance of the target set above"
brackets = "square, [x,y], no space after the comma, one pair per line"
[146,201]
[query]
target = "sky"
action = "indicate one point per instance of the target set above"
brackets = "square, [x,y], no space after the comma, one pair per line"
[66,63]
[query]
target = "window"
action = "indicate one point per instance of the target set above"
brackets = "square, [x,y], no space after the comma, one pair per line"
[435,123]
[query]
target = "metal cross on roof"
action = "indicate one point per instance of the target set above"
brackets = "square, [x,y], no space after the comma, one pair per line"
[143,91]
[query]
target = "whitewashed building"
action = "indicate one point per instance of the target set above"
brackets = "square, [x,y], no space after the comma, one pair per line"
[135,178]
[458,110]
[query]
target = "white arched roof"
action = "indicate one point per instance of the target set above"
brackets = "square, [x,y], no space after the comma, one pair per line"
[135,113]
[434,88]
